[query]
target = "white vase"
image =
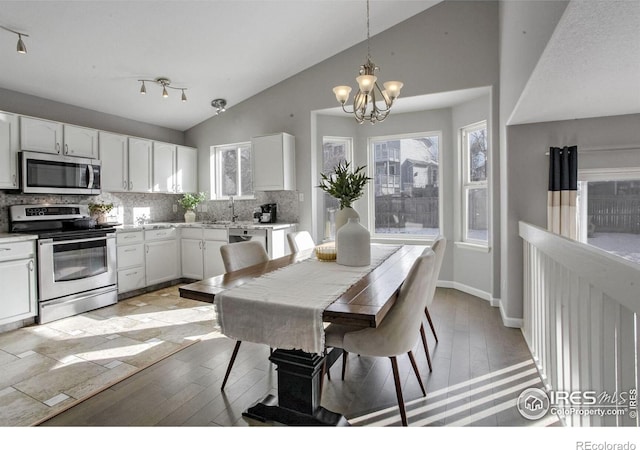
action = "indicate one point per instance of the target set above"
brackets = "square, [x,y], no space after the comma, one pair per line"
[353,244]
[189,216]
[343,215]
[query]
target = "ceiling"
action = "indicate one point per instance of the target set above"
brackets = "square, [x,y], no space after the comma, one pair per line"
[91,53]
[589,68]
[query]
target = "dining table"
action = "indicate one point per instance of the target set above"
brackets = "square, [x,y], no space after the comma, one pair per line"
[363,302]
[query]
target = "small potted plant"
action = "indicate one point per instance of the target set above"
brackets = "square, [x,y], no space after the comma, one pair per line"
[347,186]
[100,210]
[190,202]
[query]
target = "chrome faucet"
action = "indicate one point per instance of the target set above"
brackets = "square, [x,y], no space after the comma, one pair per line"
[233,210]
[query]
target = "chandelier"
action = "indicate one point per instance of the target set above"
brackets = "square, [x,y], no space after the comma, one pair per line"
[367,103]
[165,83]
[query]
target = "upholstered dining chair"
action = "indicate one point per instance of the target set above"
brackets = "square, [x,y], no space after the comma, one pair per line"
[439,246]
[398,332]
[235,257]
[299,241]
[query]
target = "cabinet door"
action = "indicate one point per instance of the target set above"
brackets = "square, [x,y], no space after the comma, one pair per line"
[186,169]
[114,151]
[139,165]
[9,147]
[164,156]
[130,256]
[273,159]
[161,261]
[131,279]
[80,141]
[191,257]
[18,278]
[40,135]
[213,264]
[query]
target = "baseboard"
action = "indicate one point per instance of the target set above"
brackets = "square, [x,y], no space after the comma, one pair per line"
[507,321]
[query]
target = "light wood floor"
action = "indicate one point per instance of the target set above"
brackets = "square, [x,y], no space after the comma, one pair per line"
[479,369]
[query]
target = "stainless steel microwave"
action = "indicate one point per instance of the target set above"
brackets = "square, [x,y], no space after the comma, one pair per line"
[43,173]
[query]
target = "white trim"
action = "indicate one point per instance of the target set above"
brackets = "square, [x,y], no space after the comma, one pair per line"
[466,185]
[609,174]
[483,248]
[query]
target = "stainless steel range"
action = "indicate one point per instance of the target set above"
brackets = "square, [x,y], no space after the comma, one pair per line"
[76,258]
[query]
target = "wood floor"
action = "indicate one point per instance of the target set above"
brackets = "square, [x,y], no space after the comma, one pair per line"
[479,369]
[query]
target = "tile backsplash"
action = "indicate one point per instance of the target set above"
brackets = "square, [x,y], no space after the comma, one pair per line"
[156,207]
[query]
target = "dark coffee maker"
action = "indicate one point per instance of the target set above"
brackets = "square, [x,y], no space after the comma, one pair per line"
[269,213]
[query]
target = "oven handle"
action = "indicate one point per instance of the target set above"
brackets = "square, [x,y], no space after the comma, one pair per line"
[73,241]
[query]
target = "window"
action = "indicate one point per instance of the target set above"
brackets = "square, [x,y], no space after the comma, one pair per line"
[406,185]
[475,198]
[233,177]
[334,151]
[609,211]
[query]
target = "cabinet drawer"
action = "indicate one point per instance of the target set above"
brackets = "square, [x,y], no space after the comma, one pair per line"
[191,233]
[130,256]
[17,250]
[214,234]
[131,279]
[132,237]
[156,235]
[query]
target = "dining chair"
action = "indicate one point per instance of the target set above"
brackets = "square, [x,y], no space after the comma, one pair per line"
[235,257]
[398,332]
[300,240]
[439,245]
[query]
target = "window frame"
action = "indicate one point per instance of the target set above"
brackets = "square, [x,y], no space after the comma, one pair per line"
[348,142]
[466,185]
[216,170]
[371,169]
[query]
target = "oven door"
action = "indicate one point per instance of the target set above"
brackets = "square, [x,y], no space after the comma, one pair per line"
[56,174]
[71,266]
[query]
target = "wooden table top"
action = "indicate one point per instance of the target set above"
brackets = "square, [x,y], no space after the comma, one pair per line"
[364,304]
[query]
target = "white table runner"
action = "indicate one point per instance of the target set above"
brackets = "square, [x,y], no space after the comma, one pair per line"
[284,308]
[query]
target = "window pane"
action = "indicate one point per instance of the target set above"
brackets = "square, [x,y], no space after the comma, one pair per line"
[229,163]
[613,217]
[477,217]
[334,151]
[477,145]
[406,178]
[246,177]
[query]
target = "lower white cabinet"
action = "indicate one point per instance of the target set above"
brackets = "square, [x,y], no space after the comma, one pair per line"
[18,281]
[278,242]
[161,255]
[200,252]
[130,251]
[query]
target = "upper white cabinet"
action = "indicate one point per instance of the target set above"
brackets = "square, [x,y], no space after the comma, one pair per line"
[164,162]
[274,167]
[9,147]
[47,136]
[114,149]
[80,141]
[186,169]
[139,165]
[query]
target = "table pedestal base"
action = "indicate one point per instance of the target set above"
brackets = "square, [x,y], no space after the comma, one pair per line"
[298,401]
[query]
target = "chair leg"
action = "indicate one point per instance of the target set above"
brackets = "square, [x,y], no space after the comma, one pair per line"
[433,329]
[344,363]
[396,378]
[426,348]
[233,358]
[415,369]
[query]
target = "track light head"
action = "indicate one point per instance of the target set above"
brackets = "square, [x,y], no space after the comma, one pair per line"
[143,89]
[21,48]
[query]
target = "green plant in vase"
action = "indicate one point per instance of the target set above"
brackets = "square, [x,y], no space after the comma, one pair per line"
[190,202]
[100,210]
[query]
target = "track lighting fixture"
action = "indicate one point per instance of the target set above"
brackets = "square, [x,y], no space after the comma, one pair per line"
[165,83]
[219,104]
[20,48]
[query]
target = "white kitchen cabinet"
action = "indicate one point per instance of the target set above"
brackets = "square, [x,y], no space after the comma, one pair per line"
[18,281]
[161,255]
[114,150]
[47,136]
[9,148]
[41,135]
[164,167]
[186,169]
[277,241]
[130,260]
[200,252]
[274,167]
[139,165]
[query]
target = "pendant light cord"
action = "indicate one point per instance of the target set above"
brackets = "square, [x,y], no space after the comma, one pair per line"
[368,36]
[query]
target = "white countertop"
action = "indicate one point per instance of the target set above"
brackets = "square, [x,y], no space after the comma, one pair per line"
[220,225]
[16,237]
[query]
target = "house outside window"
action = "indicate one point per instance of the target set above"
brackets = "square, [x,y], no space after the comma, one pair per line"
[475,198]
[233,171]
[405,200]
[335,150]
